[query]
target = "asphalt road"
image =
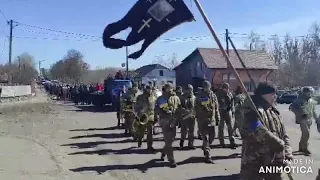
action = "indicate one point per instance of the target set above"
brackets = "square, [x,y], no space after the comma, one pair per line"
[56,140]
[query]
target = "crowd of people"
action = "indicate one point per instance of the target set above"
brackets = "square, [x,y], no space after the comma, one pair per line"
[265,141]
[78,93]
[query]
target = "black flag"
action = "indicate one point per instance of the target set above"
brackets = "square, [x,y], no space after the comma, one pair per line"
[148,20]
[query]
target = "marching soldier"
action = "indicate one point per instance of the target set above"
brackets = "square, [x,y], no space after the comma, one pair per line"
[188,117]
[239,100]
[226,109]
[304,110]
[179,91]
[199,89]
[207,113]
[128,101]
[167,107]
[144,109]
[265,139]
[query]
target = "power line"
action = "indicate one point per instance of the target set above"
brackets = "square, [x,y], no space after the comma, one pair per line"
[177,39]
[1,12]
[54,39]
[51,34]
[58,31]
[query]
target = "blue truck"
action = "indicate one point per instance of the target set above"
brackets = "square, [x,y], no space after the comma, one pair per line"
[113,89]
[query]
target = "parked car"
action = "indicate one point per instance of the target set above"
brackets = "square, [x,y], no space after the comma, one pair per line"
[287,98]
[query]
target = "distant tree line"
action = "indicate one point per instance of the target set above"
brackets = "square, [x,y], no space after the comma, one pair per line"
[298,58]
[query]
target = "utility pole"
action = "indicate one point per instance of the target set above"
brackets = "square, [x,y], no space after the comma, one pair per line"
[10,23]
[40,67]
[227,51]
[127,62]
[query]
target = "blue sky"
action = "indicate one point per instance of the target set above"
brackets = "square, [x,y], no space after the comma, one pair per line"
[91,17]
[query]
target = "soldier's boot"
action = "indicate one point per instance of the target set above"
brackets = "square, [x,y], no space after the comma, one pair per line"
[190,145]
[207,158]
[222,144]
[307,152]
[139,143]
[173,164]
[163,155]
[150,148]
[181,144]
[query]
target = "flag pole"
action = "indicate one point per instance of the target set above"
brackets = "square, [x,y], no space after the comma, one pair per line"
[213,33]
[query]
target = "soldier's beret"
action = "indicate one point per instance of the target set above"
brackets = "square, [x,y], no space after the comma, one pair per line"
[265,88]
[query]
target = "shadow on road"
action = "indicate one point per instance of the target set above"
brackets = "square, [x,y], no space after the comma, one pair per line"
[109,136]
[94,109]
[226,177]
[154,163]
[91,144]
[96,129]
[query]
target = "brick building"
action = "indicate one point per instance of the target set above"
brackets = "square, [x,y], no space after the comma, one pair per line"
[210,64]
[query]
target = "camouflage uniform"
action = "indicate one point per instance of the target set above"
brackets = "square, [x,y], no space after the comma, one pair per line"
[167,107]
[207,114]
[226,108]
[304,109]
[127,105]
[179,93]
[145,107]
[199,89]
[265,139]
[187,117]
[238,116]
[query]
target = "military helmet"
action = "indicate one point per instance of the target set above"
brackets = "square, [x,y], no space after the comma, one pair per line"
[206,84]
[190,87]
[178,88]
[168,86]
[225,85]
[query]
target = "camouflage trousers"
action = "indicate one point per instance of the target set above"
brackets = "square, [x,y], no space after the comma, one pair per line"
[207,133]
[225,118]
[305,134]
[141,130]
[237,121]
[252,173]
[169,135]
[187,128]
[128,121]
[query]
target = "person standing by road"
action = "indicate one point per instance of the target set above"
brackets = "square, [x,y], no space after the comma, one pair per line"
[304,109]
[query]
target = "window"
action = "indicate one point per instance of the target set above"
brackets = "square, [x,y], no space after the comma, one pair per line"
[224,76]
[160,72]
[248,86]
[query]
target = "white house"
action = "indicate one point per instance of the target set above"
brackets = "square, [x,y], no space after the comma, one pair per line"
[155,73]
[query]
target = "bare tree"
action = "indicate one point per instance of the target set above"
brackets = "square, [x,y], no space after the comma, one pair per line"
[170,62]
[24,69]
[71,68]
[255,42]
